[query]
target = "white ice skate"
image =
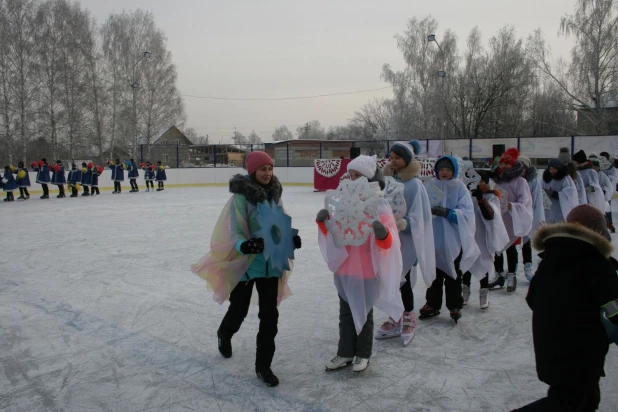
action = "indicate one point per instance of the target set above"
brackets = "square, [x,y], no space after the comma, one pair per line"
[409,326]
[484,298]
[511,282]
[528,271]
[338,362]
[389,329]
[360,364]
[466,294]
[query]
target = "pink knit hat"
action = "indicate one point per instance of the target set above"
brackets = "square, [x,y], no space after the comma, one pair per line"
[255,160]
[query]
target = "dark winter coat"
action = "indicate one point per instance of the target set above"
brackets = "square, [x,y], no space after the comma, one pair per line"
[42,176]
[25,181]
[161,176]
[576,277]
[9,185]
[59,178]
[86,177]
[117,172]
[76,177]
[149,174]
[133,172]
[95,178]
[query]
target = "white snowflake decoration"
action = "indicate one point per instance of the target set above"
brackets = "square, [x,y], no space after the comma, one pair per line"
[353,207]
[604,164]
[345,176]
[434,193]
[394,193]
[504,201]
[327,167]
[467,174]
[547,202]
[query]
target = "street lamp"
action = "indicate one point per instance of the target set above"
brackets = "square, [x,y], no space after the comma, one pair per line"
[135,86]
[441,73]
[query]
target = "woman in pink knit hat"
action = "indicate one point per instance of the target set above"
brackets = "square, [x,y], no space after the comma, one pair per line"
[236,261]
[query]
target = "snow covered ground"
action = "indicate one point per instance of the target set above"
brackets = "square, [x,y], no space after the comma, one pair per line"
[99,311]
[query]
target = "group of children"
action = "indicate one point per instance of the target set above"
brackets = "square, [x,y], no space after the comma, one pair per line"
[461,233]
[86,176]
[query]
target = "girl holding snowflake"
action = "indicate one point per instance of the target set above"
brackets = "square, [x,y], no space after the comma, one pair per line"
[366,275]
[236,262]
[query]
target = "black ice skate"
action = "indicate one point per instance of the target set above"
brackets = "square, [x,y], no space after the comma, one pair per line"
[428,312]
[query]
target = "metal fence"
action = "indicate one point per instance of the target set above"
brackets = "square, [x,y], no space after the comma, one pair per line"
[301,153]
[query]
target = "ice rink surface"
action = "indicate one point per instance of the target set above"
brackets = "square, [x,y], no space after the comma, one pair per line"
[100,312]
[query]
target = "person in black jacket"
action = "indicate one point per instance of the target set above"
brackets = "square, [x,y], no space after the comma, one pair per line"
[576,279]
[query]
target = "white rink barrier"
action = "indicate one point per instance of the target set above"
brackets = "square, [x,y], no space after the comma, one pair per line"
[189,177]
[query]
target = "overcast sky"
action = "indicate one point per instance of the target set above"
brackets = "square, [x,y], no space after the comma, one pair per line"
[283,48]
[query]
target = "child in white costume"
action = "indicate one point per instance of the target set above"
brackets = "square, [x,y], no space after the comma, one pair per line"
[517,219]
[453,230]
[594,193]
[538,212]
[565,157]
[415,234]
[365,276]
[490,236]
[561,190]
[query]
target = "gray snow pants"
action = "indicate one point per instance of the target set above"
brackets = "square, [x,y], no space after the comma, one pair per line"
[351,344]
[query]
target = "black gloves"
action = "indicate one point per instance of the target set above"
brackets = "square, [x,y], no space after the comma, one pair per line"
[252,246]
[554,195]
[379,229]
[439,211]
[297,243]
[322,216]
[477,193]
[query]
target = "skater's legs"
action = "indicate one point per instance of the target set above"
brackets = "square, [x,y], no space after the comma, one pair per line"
[511,258]
[45,190]
[526,251]
[238,309]
[499,263]
[347,331]
[485,281]
[452,288]
[467,279]
[434,292]
[269,316]
[364,341]
[406,294]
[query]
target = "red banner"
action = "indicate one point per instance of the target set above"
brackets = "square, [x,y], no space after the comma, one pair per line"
[327,173]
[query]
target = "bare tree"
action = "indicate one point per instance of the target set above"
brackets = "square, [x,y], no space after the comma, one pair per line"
[311,130]
[282,133]
[253,138]
[591,79]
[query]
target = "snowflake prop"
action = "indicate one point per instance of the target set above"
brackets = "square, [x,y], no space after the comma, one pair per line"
[546,200]
[276,230]
[394,193]
[327,167]
[467,174]
[604,164]
[504,201]
[435,194]
[353,207]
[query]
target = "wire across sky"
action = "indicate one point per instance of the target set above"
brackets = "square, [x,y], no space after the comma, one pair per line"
[285,98]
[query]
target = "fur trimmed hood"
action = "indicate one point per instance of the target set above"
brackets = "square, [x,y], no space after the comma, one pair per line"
[513,173]
[254,192]
[530,174]
[410,171]
[572,231]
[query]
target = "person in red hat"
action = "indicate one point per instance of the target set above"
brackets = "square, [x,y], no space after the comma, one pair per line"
[236,262]
[517,219]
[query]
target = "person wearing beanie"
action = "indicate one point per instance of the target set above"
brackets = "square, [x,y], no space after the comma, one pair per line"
[366,166]
[415,236]
[58,178]
[578,273]
[580,158]
[590,178]
[560,189]
[612,173]
[133,174]
[94,184]
[365,275]
[455,248]
[42,177]
[517,219]
[23,181]
[565,155]
[237,261]
[160,176]
[86,178]
[491,236]
[149,174]
[538,212]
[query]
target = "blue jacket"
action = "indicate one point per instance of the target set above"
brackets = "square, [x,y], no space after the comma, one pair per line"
[76,176]
[161,176]
[133,172]
[149,174]
[10,184]
[87,177]
[25,182]
[43,174]
[95,178]
[117,172]
[58,177]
